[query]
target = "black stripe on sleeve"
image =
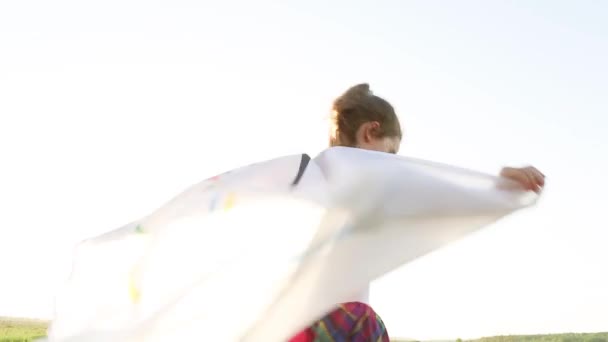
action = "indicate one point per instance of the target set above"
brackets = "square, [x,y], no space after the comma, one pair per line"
[303,164]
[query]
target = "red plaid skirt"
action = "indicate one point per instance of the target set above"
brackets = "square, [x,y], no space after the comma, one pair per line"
[355,322]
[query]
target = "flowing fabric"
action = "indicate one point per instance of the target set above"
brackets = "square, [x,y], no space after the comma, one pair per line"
[282,241]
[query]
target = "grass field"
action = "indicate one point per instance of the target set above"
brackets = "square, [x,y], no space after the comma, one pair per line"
[24,330]
[21,330]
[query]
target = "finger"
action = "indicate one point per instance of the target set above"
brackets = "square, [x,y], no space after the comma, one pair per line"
[530,180]
[538,182]
[537,176]
[540,178]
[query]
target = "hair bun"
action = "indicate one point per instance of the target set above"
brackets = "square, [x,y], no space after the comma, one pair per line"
[352,96]
[358,90]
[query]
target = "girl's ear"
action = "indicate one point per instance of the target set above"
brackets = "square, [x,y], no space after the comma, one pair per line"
[367,133]
[371,131]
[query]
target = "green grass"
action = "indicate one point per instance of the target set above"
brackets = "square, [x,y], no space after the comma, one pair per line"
[25,330]
[598,337]
[21,330]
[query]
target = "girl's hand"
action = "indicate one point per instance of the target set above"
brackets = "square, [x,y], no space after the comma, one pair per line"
[529,177]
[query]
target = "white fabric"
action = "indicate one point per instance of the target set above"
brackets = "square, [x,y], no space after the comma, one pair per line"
[360,296]
[248,257]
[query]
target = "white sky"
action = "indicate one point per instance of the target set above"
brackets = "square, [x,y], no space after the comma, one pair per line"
[108,109]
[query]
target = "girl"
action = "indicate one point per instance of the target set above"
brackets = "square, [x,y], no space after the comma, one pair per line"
[361,119]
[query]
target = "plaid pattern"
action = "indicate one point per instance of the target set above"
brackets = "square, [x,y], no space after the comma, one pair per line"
[356,322]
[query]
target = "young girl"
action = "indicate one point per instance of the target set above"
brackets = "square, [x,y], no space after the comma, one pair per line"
[361,119]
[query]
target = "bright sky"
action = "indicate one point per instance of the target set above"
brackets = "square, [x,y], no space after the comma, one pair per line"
[108,109]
